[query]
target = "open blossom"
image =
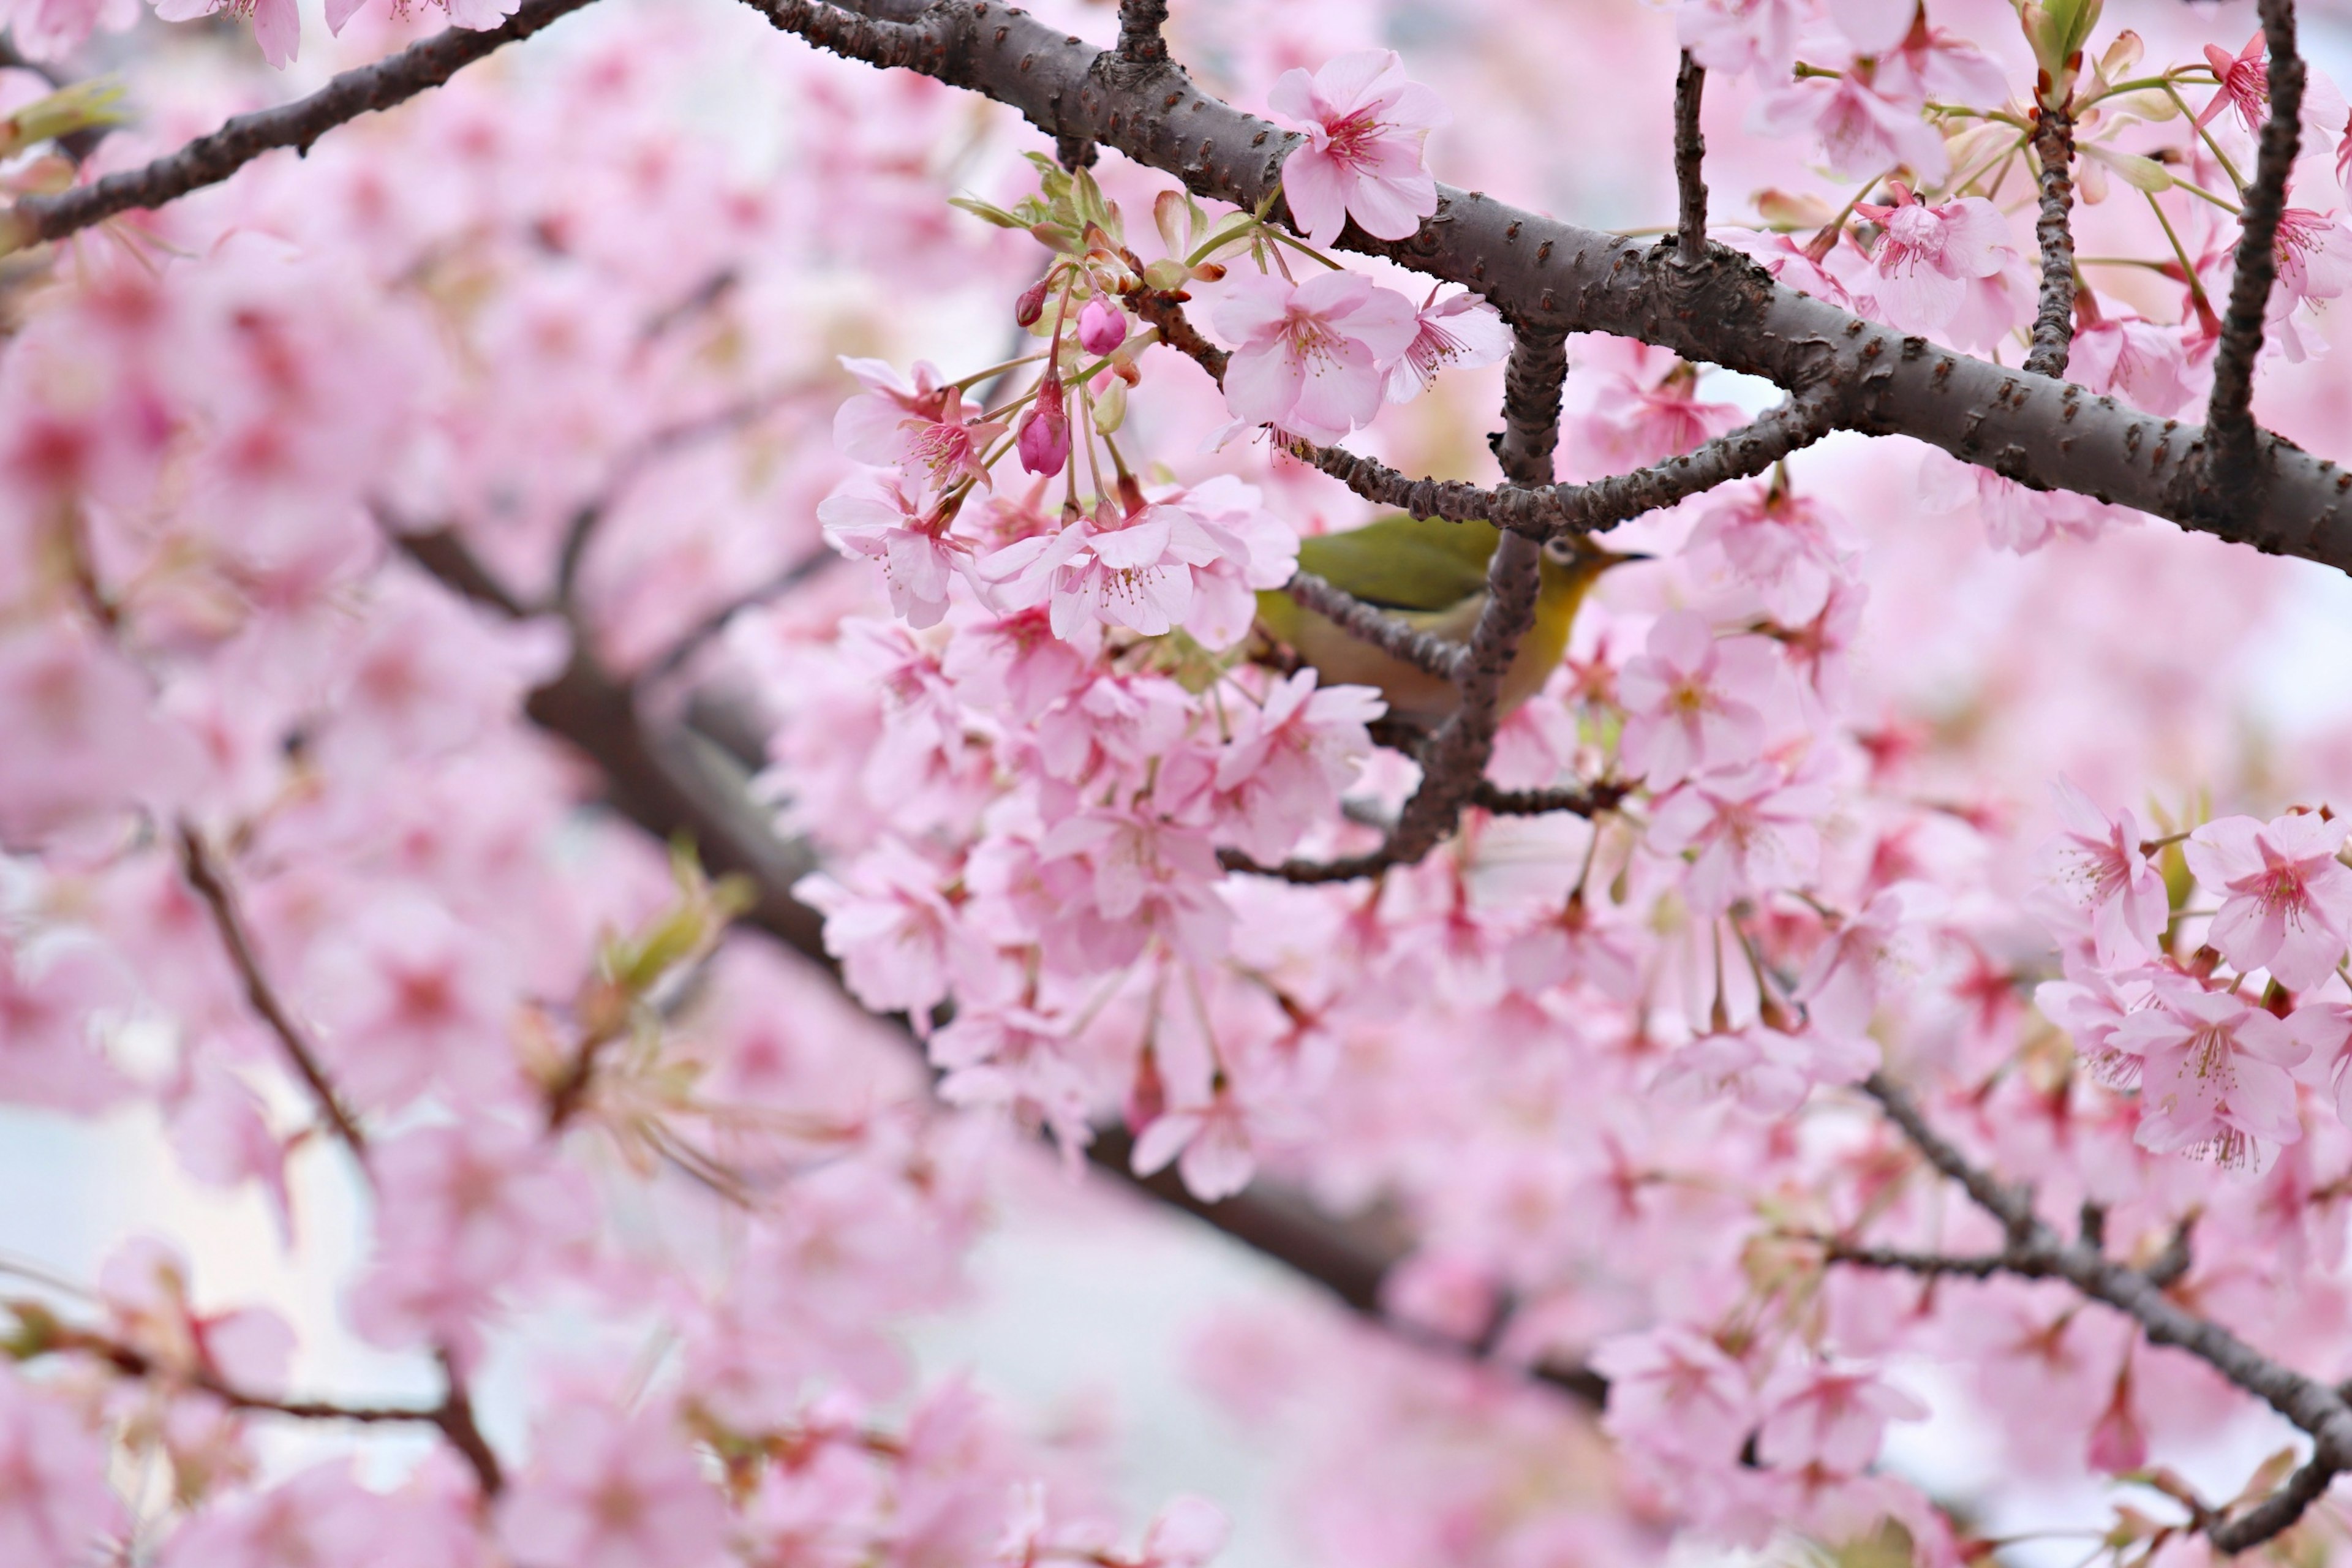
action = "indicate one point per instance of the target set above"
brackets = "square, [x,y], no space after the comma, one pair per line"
[1767,1070]
[2315,257]
[57,1507]
[277,24]
[2142,362]
[1627,402]
[1738,35]
[1874,951]
[1792,548]
[1366,125]
[1283,767]
[1934,267]
[2286,901]
[2213,1075]
[1864,126]
[1750,830]
[1459,330]
[606,1490]
[898,938]
[876,519]
[2095,878]
[919,427]
[1674,1392]
[1312,356]
[1831,1415]
[1691,701]
[1208,1142]
[1106,568]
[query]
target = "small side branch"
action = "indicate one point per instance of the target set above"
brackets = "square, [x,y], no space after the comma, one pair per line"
[209,160]
[2053,324]
[212,887]
[1139,21]
[1690,158]
[1371,625]
[2230,431]
[1580,800]
[2036,1250]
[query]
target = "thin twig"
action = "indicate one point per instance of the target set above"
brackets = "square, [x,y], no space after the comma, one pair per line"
[212,887]
[2034,1250]
[1139,21]
[1577,800]
[1392,636]
[2230,423]
[2053,324]
[1690,158]
[209,160]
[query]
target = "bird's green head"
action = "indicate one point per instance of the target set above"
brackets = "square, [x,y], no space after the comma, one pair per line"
[1572,562]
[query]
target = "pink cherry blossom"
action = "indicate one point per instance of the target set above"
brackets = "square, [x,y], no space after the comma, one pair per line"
[1627,404]
[1460,330]
[1283,767]
[1693,701]
[50,1000]
[1873,951]
[1365,125]
[1741,36]
[319,1515]
[2286,902]
[878,520]
[605,1491]
[1863,127]
[56,1505]
[1828,1415]
[1310,357]
[1792,549]
[1932,263]
[2138,359]
[1674,1393]
[277,24]
[896,935]
[2097,879]
[919,426]
[410,998]
[2314,257]
[1042,436]
[1208,1143]
[1746,830]
[2212,1076]
[1108,567]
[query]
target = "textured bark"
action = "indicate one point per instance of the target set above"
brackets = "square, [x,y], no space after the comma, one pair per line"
[1690,162]
[2233,456]
[2053,324]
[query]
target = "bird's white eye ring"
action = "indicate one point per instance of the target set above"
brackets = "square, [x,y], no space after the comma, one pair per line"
[1562,551]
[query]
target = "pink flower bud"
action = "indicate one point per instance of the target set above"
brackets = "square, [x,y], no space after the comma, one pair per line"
[1031,307]
[1045,436]
[1102,326]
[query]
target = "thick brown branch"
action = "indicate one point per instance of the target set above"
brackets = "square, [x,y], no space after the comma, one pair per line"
[2229,420]
[1376,627]
[212,887]
[2053,323]
[2036,1250]
[209,160]
[2041,433]
[1690,162]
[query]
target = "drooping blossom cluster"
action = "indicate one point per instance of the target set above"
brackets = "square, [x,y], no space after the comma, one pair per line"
[426,567]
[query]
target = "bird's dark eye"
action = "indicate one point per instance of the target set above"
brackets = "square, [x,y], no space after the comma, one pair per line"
[1561,552]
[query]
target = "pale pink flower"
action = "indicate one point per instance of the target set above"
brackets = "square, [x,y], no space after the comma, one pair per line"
[1863,956]
[1311,357]
[2090,1006]
[1765,1071]
[900,942]
[876,519]
[1872,27]
[1286,761]
[1626,404]
[608,1490]
[2015,517]
[321,1515]
[51,1002]
[1693,701]
[1018,1059]
[1929,62]
[1790,548]
[83,738]
[1751,829]
[1210,1144]
[1460,330]
[2314,257]
[277,24]
[1105,568]
[921,427]
[1864,127]
[57,1507]
[2286,901]
[2096,878]
[2142,362]
[1185,1533]
[53,29]
[2243,84]
[1785,257]
[2212,1076]
[412,1001]
[1928,256]
[1130,876]
[1741,36]
[1674,1392]
[1829,1415]
[1235,548]
[465,1214]
[1365,126]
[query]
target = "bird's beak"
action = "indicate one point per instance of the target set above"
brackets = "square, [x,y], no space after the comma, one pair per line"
[1608,559]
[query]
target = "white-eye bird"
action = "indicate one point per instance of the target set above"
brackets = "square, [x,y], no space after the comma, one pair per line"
[1432,575]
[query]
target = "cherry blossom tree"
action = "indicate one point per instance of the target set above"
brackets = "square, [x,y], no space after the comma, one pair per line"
[650,654]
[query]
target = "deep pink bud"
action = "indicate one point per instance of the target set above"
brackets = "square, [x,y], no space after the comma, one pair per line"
[1030,309]
[1045,436]
[1102,326]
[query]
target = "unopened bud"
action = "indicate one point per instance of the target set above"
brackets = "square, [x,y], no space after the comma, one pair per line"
[1110,408]
[1102,326]
[1031,307]
[1044,438]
